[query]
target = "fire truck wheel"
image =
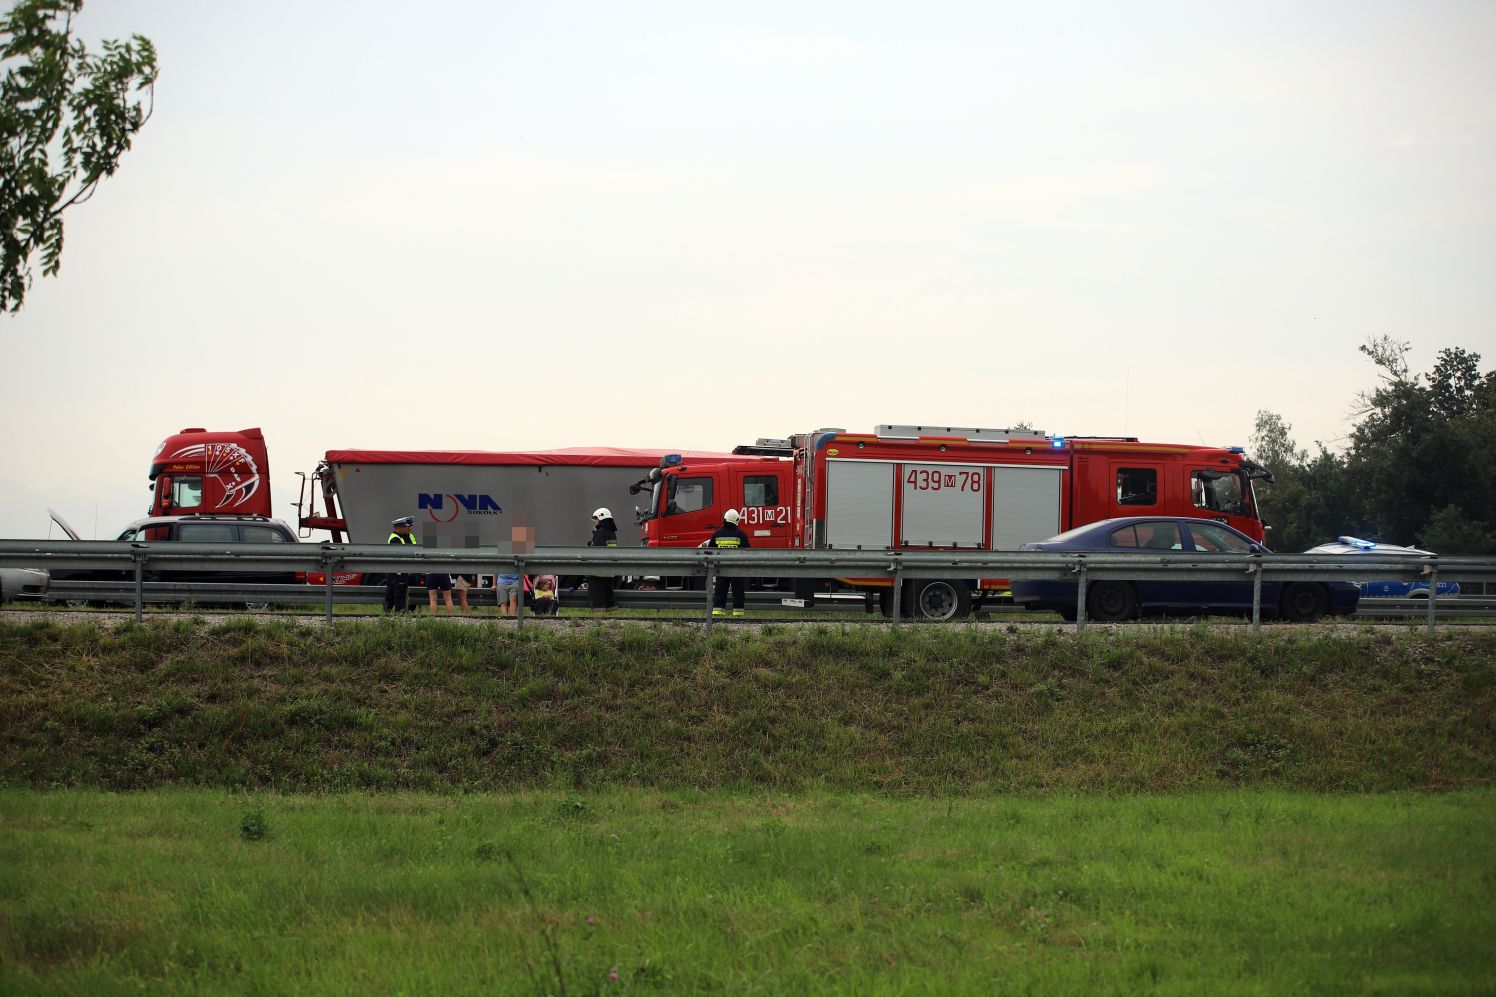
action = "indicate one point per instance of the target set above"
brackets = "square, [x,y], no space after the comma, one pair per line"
[1111,602]
[939,600]
[1304,602]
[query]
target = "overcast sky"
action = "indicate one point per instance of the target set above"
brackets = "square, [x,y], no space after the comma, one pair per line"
[523,226]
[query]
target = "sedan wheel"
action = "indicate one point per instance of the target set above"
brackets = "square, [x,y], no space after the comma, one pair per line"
[1111,602]
[1304,602]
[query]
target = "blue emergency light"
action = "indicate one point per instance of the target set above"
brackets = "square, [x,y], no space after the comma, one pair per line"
[1058,442]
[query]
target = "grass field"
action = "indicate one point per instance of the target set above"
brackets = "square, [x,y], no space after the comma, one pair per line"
[200,806]
[637,891]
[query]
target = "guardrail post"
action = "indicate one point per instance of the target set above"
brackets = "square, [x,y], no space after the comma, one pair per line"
[519,609]
[135,556]
[1433,593]
[898,592]
[1256,570]
[1080,599]
[711,585]
[327,582]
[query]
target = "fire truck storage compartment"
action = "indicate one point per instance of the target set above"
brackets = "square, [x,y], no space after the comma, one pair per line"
[942,505]
[859,504]
[1025,505]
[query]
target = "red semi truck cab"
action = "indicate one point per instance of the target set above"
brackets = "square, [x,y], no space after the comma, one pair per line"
[195,471]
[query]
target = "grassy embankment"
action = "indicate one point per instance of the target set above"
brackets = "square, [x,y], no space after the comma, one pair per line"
[439,706]
[938,809]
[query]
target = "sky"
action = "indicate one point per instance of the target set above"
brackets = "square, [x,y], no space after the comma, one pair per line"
[508,226]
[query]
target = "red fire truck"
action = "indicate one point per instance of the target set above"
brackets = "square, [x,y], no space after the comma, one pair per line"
[941,488]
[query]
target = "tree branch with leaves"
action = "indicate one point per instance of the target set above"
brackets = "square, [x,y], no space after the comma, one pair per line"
[67,116]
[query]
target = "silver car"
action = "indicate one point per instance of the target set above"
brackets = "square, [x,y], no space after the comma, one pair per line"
[22,583]
[1388,588]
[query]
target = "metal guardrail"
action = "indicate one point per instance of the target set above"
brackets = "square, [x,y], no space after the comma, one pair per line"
[138,560]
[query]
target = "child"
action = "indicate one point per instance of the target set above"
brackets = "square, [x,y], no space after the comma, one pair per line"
[544,599]
[506,593]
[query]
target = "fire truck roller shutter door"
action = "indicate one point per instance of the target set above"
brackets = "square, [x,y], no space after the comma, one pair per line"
[1025,505]
[859,504]
[942,505]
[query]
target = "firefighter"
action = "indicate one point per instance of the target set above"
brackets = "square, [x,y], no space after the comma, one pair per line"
[604,534]
[397,585]
[729,536]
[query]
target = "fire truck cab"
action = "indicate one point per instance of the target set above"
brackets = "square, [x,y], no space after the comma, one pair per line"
[687,501]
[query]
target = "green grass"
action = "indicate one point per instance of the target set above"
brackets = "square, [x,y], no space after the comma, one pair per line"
[436,705]
[422,806]
[687,892]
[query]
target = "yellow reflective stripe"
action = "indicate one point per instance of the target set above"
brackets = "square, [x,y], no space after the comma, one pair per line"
[727,541]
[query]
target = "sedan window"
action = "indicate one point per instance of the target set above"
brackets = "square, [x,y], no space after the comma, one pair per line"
[1153,536]
[1215,539]
[262,535]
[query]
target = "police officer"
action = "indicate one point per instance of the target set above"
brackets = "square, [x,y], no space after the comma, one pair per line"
[397,585]
[604,534]
[729,536]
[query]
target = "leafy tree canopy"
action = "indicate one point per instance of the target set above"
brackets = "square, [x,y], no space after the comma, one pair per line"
[66,118]
[1421,467]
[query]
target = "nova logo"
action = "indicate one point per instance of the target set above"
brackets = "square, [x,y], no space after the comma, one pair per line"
[437,502]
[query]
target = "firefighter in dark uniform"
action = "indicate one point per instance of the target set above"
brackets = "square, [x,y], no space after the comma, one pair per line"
[728,537]
[397,585]
[604,534]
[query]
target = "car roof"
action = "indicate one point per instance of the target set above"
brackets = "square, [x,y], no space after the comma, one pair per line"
[200,518]
[1355,545]
[1107,525]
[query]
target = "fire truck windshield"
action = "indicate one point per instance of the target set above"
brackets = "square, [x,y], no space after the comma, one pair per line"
[1221,491]
[675,494]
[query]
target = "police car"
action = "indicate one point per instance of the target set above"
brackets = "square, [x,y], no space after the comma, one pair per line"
[1385,589]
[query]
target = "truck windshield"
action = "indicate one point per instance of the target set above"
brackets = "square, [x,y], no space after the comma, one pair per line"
[1218,491]
[681,494]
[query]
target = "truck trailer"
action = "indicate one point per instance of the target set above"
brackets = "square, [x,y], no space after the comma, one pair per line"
[459,498]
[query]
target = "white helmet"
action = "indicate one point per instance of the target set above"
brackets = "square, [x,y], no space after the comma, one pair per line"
[731,516]
[602,514]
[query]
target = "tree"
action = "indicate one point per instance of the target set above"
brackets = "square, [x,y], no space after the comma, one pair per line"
[1309,501]
[1427,445]
[66,118]
[1272,447]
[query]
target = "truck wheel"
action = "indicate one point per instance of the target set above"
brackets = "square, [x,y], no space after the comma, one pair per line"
[1304,602]
[1111,602]
[940,600]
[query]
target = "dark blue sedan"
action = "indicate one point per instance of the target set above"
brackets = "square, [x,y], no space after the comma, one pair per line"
[1113,601]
